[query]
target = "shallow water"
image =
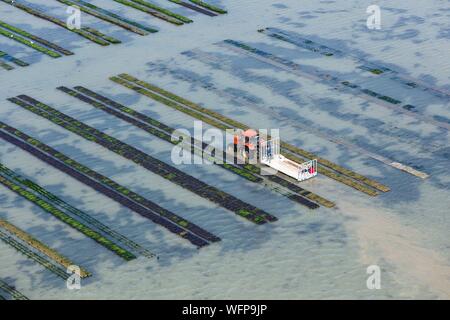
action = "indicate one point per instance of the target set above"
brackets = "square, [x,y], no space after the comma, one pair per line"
[320,254]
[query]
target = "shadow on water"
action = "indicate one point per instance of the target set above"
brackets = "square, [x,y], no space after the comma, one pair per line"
[17,51]
[346,45]
[330,106]
[419,162]
[280,6]
[323,232]
[56,35]
[108,168]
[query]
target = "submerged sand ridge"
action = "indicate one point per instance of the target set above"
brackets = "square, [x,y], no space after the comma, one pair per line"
[382,236]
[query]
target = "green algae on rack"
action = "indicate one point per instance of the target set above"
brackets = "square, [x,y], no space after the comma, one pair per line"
[150,9]
[15,294]
[222,122]
[110,17]
[26,250]
[163,10]
[58,22]
[6,66]
[67,219]
[194,7]
[101,35]
[37,189]
[152,164]
[35,38]
[12,59]
[29,43]
[209,6]
[38,245]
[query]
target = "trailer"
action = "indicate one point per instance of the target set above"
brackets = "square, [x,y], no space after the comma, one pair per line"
[269,155]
